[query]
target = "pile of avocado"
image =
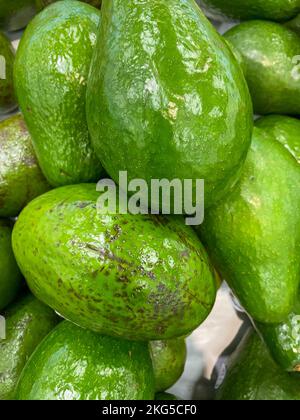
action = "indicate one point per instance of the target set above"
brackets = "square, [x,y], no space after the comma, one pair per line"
[98,306]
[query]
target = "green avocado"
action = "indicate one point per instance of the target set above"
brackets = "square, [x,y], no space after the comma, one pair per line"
[21,179]
[252,375]
[253,236]
[271,65]
[7,57]
[139,277]
[168,359]
[76,364]
[41,4]
[15,14]
[51,71]
[278,10]
[10,278]
[27,323]
[284,129]
[173,105]
[165,396]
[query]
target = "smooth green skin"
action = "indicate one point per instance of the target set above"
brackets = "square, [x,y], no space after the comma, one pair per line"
[10,277]
[15,14]
[277,10]
[253,237]
[283,340]
[284,129]
[21,179]
[51,71]
[168,359]
[27,323]
[294,24]
[7,95]
[253,375]
[137,277]
[166,98]
[165,396]
[76,364]
[271,66]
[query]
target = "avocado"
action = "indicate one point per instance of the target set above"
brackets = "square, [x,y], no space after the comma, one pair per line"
[165,396]
[41,4]
[7,57]
[76,364]
[252,375]
[284,129]
[15,14]
[173,105]
[139,277]
[278,10]
[21,179]
[51,70]
[168,359]
[28,321]
[253,236]
[11,278]
[294,24]
[271,65]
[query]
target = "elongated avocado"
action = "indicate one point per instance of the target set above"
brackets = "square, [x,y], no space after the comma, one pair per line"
[76,364]
[7,57]
[51,71]
[138,277]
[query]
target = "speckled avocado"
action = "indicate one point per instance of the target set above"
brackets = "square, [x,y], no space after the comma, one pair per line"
[137,277]
[278,10]
[21,179]
[15,14]
[175,104]
[253,237]
[27,323]
[284,129]
[51,70]
[271,65]
[10,278]
[252,375]
[7,57]
[76,364]
[168,359]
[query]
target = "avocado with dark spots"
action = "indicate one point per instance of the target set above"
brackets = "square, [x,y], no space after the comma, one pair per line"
[168,359]
[21,179]
[253,236]
[253,375]
[173,105]
[15,14]
[134,285]
[27,323]
[7,95]
[76,364]
[51,71]
[270,53]
[10,278]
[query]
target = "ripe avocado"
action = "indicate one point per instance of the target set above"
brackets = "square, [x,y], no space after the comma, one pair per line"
[10,278]
[253,236]
[271,65]
[27,323]
[76,364]
[7,57]
[138,277]
[173,105]
[253,375]
[15,14]
[51,70]
[168,359]
[21,179]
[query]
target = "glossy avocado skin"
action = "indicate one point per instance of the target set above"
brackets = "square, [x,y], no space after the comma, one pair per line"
[253,237]
[172,105]
[10,279]
[168,358]
[284,129]
[27,323]
[253,375]
[15,14]
[277,10]
[137,277]
[271,66]
[51,70]
[7,95]
[21,179]
[76,364]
